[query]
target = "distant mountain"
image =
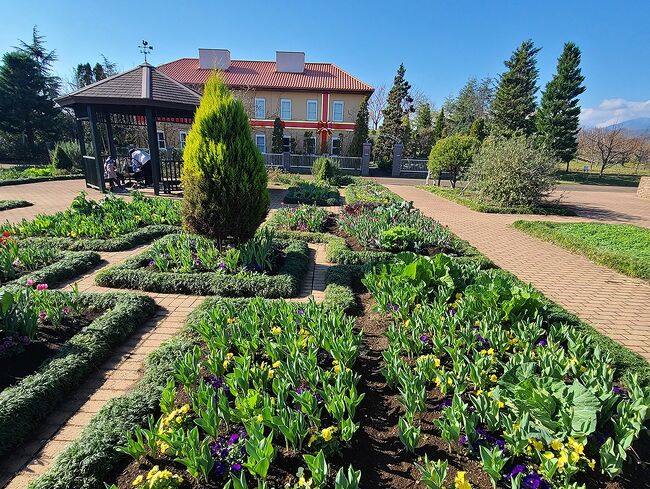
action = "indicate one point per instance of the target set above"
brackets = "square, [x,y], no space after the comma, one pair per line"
[639,125]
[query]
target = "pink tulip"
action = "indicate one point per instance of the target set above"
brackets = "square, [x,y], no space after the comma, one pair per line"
[30,282]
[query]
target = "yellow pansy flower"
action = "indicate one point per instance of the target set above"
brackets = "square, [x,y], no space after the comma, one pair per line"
[460,482]
[549,455]
[276,364]
[231,320]
[592,464]
[493,378]
[490,351]
[479,392]
[557,445]
[138,480]
[436,361]
[276,330]
[326,433]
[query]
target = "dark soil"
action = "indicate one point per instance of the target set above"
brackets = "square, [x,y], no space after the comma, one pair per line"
[48,341]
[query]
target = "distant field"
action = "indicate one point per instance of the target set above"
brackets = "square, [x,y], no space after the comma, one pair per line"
[627,175]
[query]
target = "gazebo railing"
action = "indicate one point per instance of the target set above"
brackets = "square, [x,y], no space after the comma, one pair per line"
[91,170]
[170,174]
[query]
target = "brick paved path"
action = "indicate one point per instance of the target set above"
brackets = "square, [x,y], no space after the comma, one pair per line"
[616,305]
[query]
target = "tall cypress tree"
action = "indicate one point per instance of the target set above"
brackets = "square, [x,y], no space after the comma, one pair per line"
[558,117]
[277,138]
[423,116]
[399,104]
[514,102]
[360,135]
[439,128]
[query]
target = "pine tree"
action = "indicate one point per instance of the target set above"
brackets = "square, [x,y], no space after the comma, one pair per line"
[224,178]
[558,117]
[439,129]
[478,129]
[513,108]
[423,116]
[360,135]
[277,139]
[37,51]
[399,103]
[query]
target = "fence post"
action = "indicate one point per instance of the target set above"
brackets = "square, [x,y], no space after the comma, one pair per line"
[365,159]
[286,161]
[397,159]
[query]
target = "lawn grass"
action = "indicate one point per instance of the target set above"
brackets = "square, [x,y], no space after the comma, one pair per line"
[472,200]
[622,247]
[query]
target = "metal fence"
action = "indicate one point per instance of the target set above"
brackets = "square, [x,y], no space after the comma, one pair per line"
[170,174]
[303,161]
[348,162]
[414,165]
[272,159]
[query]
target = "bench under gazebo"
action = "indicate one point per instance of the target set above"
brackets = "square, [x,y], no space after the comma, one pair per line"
[140,97]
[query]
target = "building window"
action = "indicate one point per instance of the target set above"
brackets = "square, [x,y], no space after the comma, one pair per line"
[336,145]
[337,111]
[286,144]
[312,110]
[260,108]
[162,144]
[182,137]
[285,109]
[310,145]
[260,142]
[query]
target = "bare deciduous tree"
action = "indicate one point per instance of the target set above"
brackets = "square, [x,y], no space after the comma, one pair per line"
[606,146]
[376,106]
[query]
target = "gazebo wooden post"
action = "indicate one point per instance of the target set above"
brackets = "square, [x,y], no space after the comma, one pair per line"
[80,136]
[109,133]
[99,167]
[152,138]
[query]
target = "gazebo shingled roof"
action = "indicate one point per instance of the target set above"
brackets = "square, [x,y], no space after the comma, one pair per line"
[141,91]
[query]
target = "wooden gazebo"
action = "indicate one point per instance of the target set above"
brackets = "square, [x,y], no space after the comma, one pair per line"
[138,97]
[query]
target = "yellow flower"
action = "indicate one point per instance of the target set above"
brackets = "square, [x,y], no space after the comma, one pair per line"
[138,480]
[562,459]
[437,381]
[459,295]
[490,392]
[406,323]
[576,446]
[271,373]
[231,320]
[326,433]
[549,455]
[277,364]
[185,409]
[436,361]
[573,361]
[179,420]
[276,331]
[493,378]
[500,404]
[479,392]
[536,444]
[154,470]
[483,352]
[230,355]
[557,445]
[460,482]
[490,351]
[450,381]
[225,364]
[477,323]
[592,464]
[337,369]
[575,456]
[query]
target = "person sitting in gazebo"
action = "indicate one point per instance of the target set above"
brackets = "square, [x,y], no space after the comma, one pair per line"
[141,165]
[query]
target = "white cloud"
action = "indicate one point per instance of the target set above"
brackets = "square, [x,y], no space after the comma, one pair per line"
[614,110]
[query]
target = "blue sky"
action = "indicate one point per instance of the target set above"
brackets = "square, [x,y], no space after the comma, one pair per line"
[441,43]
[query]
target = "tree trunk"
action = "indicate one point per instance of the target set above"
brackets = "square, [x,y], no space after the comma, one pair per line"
[567,166]
[602,169]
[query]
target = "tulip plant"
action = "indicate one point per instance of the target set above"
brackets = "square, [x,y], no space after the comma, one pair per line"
[535,401]
[17,258]
[302,218]
[268,376]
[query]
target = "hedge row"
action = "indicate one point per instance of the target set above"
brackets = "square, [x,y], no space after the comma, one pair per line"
[25,405]
[130,240]
[70,265]
[21,181]
[5,205]
[93,458]
[131,275]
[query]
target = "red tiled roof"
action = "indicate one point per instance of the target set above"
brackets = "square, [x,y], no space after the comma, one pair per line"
[262,74]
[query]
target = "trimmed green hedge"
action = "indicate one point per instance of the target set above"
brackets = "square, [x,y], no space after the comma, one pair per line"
[25,405]
[71,264]
[5,205]
[286,283]
[130,240]
[21,181]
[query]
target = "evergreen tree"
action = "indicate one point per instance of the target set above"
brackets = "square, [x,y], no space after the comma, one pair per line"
[513,108]
[85,74]
[558,117]
[478,129]
[277,139]
[224,178]
[423,116]
[360,135]
[439,129]
[44,58]
[399,104]
[473,101]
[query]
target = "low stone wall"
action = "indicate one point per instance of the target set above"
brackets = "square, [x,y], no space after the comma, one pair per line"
[644,188]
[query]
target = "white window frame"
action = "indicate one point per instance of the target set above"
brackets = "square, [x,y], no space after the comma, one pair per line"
[263,136]
[282,101]
[263,101]
[315,102]
[163,140]
[313,138]
[182,140]
[336,138]
[334,104]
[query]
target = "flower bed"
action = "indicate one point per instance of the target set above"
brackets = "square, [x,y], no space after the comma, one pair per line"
[369,192]
[307,218]
[533,400]
[92,333]
[171,266]
[110,218]
[28,261]
[13,204]
[311,193]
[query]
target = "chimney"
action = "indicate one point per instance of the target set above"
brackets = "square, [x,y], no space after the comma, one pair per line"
[210,59]
[289,62]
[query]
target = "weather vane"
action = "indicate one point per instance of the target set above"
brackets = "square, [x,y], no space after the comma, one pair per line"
[145,49]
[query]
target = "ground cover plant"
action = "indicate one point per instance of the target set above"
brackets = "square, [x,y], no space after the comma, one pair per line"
[622,247]
[369,192]
[49,342]
[308,218]
[27,174]
[186,263]
[471,352]
[267,400]
[13,204]
[312,193]
[476,202]
[109,218]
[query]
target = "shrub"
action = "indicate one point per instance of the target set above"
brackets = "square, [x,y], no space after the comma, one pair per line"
[60,159]
[514,171]
[453,154]
[224,177]
[325,171]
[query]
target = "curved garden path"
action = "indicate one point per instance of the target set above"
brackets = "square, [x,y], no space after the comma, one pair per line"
[616,305]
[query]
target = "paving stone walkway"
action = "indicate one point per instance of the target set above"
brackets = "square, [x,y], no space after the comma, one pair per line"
[122,370]
[617,305]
